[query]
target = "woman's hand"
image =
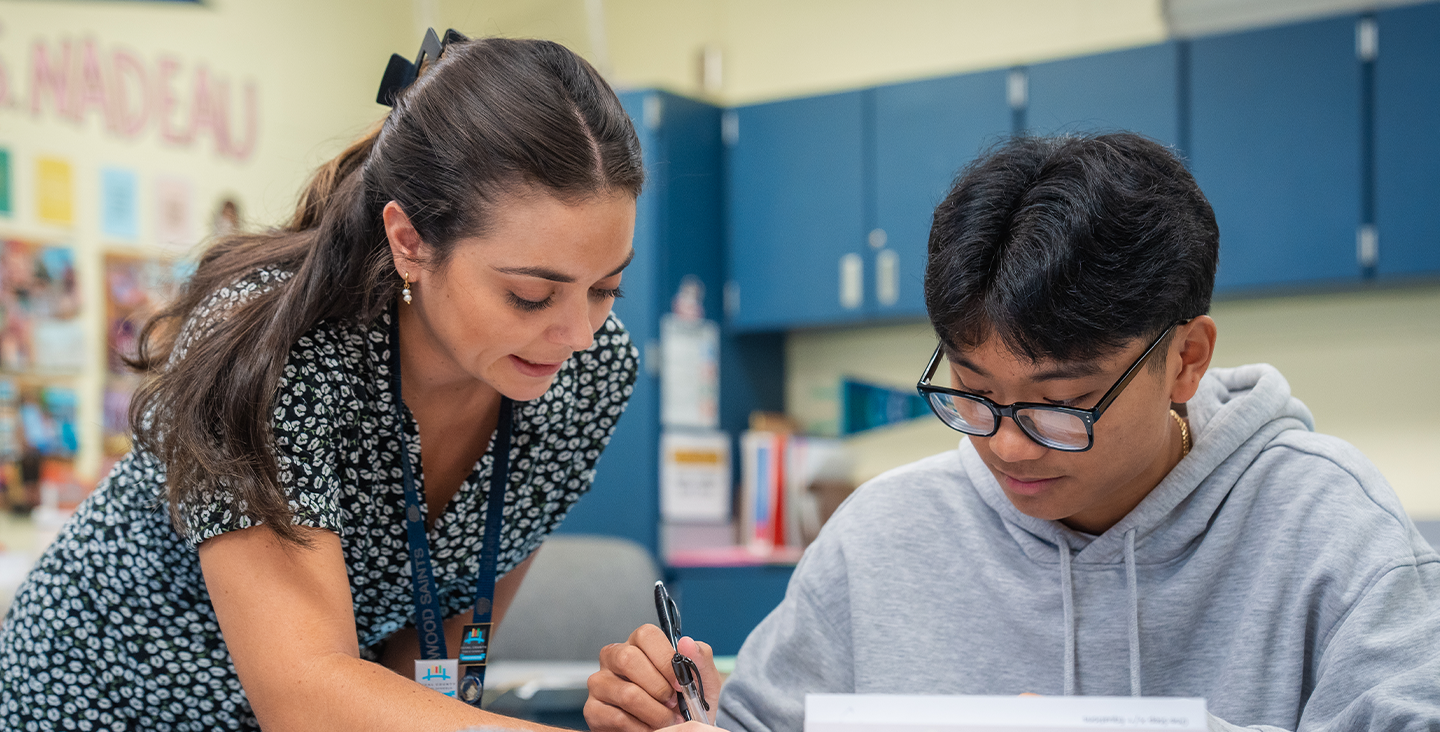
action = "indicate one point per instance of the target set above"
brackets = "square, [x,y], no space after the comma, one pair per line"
[635,689]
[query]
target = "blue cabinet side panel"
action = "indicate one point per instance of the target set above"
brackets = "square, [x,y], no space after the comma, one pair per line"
[796,205]
[624,500]
[925,132]
[1407,140]
[1133,90]
[721,605]
[692,219]
[1276,148]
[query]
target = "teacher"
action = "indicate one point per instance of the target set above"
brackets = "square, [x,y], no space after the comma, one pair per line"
[263,554]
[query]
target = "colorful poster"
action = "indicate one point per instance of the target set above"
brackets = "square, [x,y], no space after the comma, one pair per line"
[135,288]
[55,191]
[39,309]
[119,204]
[5,205]
[174,213]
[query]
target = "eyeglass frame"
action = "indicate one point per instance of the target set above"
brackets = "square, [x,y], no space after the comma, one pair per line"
[1088,416]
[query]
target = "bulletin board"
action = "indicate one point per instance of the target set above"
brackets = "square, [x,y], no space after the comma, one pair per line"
[42,352]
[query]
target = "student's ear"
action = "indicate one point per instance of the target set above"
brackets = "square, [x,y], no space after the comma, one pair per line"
[405,244]
[1191,347]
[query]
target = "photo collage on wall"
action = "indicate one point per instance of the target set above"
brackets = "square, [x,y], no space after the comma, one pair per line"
[135,288]
[42,351]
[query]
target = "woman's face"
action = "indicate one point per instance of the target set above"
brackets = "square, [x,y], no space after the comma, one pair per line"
[509,307]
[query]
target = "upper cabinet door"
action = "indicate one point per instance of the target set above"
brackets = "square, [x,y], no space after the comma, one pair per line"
[925,132]
[1407,141]
[795,191]
[1135,90]
[1275,146]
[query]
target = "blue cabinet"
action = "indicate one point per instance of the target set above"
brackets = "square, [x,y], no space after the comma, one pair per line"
[795,187]
[925,132]
[1407,146]
[1135,90]
[679,232]
[721,605]
[1276,146]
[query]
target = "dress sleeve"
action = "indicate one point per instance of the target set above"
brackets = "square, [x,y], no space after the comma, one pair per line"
[308,413]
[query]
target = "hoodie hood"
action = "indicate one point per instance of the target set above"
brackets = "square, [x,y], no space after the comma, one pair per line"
[1235,413]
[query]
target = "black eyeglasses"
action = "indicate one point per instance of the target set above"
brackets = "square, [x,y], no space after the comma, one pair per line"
[1059,428]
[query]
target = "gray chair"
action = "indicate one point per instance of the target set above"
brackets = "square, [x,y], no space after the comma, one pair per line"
[581,593]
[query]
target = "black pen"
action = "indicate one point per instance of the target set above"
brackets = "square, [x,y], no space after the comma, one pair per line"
[692,700]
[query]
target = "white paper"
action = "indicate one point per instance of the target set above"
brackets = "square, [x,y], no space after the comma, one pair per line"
[689,373]
[695,476]
[912,713]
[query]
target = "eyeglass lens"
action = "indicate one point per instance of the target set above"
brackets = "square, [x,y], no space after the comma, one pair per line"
[1054,429]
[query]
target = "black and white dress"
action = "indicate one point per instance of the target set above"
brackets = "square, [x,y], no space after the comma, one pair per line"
[114,628]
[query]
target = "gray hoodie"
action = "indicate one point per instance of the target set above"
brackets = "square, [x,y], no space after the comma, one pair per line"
[1272,572]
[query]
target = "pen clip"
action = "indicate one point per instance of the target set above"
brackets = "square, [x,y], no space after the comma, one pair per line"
[668,613]
[692,700]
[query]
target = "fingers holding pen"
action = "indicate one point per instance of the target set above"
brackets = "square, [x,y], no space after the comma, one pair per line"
[631,692]
[704,659]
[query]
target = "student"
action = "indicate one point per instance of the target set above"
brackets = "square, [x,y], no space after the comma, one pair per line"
[475,241]
[1122,520]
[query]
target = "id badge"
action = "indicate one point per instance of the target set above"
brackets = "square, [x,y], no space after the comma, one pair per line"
[474,655]
[442,675]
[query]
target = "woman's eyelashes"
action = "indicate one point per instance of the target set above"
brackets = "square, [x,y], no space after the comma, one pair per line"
[530,306]
[606,293]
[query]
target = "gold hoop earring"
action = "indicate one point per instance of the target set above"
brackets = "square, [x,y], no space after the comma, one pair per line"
[405,293]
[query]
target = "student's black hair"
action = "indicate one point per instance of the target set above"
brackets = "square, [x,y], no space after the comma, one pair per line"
[1069,248]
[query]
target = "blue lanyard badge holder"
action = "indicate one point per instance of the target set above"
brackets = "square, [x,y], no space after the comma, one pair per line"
[462,677]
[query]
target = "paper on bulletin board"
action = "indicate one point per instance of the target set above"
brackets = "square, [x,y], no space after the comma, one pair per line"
[937,713]
[6,207]
[695,476]
[55,191]
[689,373]
[119,204]
[174,213]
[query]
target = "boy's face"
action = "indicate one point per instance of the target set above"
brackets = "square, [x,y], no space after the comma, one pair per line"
[1136,440]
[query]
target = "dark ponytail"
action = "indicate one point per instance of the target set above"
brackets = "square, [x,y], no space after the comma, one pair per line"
[489,117]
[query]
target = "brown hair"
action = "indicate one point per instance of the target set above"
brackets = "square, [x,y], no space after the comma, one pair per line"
[490,116]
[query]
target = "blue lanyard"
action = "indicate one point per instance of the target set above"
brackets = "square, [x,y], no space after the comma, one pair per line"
[429,622]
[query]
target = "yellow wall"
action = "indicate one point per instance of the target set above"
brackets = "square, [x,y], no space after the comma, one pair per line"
[1363,362]
[789,48]
[315,65]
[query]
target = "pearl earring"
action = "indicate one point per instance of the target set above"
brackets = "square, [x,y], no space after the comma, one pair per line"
[405,293]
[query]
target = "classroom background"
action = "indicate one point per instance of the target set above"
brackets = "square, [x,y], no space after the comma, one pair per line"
[794,149]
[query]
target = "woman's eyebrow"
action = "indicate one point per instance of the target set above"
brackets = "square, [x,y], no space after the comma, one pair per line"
[545,273]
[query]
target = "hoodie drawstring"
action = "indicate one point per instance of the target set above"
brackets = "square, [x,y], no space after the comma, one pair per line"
[1067,592]
[1133,586]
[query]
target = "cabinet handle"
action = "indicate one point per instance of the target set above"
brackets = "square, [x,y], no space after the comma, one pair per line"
[1367,245]
[852,281]
[731,298]
[887,277]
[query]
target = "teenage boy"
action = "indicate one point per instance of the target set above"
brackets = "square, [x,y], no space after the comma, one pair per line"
[1121,519]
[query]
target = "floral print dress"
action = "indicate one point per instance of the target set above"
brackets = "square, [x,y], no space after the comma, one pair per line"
[114,628]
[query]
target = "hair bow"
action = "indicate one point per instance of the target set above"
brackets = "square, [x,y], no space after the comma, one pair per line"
[400,73]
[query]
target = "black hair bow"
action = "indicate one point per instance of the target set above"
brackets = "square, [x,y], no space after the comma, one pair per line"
[401,73]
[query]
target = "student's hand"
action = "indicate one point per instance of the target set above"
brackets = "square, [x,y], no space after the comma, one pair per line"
[635,689]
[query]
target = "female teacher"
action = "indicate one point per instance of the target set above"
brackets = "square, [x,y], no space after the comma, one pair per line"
[341,413]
